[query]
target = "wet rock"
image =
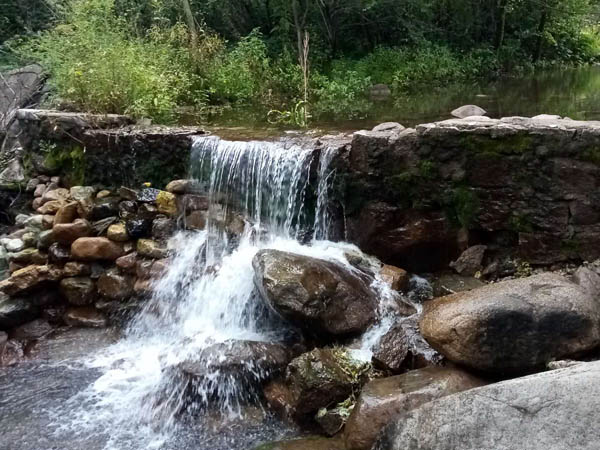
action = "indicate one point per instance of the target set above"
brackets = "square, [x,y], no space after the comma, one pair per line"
[54,314]
[117,232]
[50,208]
[12,245]
[311,443]
[158,269]
[547,411]
[396,278]
[188,203]
[151,249]
[513,326]
[470,261]
[115,286]
[100,227]
[128,194]
[166,203]
[388,126]
[59,254]
[127,263]
[76,269]
[36,329]
[279,398]
[331,421]
[196,220]
[3,263]
[148,195]
[28,256]
[47,221]
[16,311]
[248,362]
[468,111]
[163,228]
[29,277]
[67,213]
[147,211]
[143,287]
[108,207]
[95,249]
[66,233]
[183,186]
[138,228]
[382,400]
[11,353]
[322,297]
[321,378]
[127,210]
[78,290]
[85,317]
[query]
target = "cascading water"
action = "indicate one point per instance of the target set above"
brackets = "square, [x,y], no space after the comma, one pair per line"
[207,297]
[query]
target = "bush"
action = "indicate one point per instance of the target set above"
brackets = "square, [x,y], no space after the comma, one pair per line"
[97,65]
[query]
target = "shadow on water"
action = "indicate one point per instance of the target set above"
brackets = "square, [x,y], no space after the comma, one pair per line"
[573,93]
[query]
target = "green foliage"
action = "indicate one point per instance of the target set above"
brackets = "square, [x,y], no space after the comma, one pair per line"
[69,163]
[462,206]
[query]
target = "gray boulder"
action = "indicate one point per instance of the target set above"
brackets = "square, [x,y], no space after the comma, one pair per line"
[468,111]
[555,410]
[320,296]
[514,326]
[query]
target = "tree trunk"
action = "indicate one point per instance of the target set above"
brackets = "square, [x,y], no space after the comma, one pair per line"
[540,32]
[501,25]
[191,23]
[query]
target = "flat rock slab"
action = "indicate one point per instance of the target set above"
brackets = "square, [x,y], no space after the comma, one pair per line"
[554,410]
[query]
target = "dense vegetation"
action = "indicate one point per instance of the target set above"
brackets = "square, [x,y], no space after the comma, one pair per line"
[153,57]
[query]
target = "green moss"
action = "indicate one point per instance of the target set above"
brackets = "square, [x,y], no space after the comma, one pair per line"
[591,155]
[571,246]
[461,205]
[68,162]
[520,223]
[428,170]
[507,145]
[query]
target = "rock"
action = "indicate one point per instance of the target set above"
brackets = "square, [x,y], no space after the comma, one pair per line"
[163,228]
[320,296]
[379,92]
[95,249]
[84,196]
[151,249]
[388,126]
[396,278]
[468,111]
[148,195]
[321,378]
[29,239]
[196,220]
[469,262]
[279,398]
[47,221]
[66,233]
[36,329]
[143,287]
[104,193]
[56,195]
[107,207]
[29,277]
[39,192]
[183,187]
[12,245]
[16,311]
[546,411]
[11,353]
[143,269]
[127,263]
[247,362]
[128,194]
[76,269]
[382,400]
[45,239]
[188,203]
[127,210]
[513,326]
[331,421]
[101,226]
[158,269]
[588,280]
[37,202]
[28,256]
[67,213]
[166,203]
[115,286]
[403,348]
[147,211]
[138,228]
[447,284]
[3,263]
[78,290]
[85,317]
[310,443]
[59,254]
[117,232]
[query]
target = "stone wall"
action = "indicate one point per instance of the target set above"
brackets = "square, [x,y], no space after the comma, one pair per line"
[528,188]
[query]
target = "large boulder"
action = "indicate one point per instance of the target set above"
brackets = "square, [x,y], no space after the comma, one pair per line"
[66,233]
[322,297]
[514,326]
[381,400]
[554,410]
[16,311]
[468,111]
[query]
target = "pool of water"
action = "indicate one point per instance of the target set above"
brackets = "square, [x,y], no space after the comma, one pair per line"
[573,93]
